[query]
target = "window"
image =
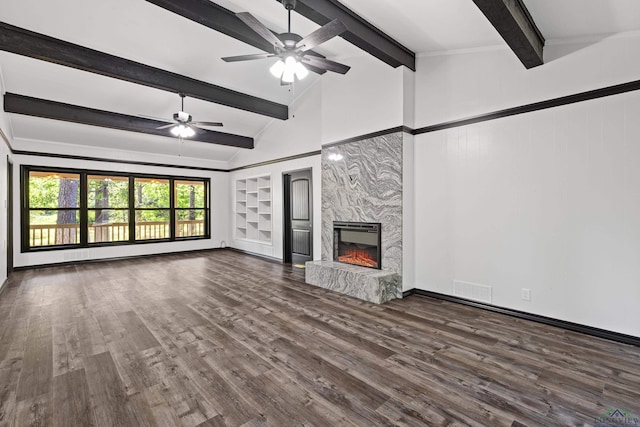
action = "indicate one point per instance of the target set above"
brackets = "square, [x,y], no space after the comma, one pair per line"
[152,208]
[69,208]
[108,208]
[190,208]
[53,212]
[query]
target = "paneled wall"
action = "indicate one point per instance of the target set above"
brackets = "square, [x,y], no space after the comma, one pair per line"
[546,201]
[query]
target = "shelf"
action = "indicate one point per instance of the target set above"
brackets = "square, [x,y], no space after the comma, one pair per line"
[253,218]
[241,195]
[264,207]
[252,199]
[264,181]
[252,184]
[252,230]
[265,236]
[264,222]
[264,195]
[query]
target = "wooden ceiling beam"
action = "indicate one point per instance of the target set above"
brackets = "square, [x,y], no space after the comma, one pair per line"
[215,17]
[514,23]
[34,45]
[36,107]
[359,32]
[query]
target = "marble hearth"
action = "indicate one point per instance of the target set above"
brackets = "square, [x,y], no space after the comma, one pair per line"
[362,182]
[368,284]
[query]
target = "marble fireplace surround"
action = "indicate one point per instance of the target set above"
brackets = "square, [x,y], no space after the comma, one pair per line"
[362,182]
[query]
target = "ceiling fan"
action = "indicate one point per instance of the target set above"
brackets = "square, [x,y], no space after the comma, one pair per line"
[183,125]
[292,49]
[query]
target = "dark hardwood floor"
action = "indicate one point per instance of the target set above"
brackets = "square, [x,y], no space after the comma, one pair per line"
[225,339]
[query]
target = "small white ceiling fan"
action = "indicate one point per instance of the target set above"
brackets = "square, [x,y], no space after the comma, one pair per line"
[183,125]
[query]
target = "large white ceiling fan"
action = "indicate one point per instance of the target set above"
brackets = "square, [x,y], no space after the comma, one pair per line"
[291,49]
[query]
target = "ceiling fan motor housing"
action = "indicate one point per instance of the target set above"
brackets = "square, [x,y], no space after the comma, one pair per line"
[289,40]
[182,117]
[289,4]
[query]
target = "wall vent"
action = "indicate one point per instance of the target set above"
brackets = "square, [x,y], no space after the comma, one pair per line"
[472,291]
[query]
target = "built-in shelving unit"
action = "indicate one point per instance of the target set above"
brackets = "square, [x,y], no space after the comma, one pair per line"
[253,209]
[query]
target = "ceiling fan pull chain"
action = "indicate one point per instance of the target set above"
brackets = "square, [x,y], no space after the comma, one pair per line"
[292,89]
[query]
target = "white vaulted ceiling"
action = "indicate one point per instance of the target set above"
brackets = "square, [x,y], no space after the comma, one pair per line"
[146,33]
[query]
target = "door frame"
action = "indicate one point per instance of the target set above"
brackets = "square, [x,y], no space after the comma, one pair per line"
[287,256]
[9,208]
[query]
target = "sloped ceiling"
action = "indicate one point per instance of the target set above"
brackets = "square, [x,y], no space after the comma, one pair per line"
[143,32]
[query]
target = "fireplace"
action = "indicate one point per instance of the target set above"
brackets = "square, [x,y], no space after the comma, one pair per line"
[357,243]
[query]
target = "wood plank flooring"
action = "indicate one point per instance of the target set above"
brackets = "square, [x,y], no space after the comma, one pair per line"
[224,339]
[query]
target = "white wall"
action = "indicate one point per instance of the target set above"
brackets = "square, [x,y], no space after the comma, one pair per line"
[457,86]
[336,107]
[299,135]
[546,201]
[219,213]
[4,152]
[109,152]
[275,170]
[302,133]
[367,99]
[408,212]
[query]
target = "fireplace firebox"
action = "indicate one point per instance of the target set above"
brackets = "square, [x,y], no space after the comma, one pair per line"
[357,243]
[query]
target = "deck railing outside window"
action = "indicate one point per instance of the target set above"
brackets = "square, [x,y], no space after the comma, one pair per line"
[65,234]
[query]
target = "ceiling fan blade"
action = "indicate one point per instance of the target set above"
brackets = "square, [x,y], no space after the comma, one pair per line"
[158,119]
[257,26]
[326,64]
[166,126]
[210,124]
[315,69]
[246,57]
[321,35]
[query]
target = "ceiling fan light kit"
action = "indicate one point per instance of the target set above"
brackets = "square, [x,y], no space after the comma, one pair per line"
[182,131]
[290,48]
[287,69]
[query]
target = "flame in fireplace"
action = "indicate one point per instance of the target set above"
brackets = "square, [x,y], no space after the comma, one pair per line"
[358,257]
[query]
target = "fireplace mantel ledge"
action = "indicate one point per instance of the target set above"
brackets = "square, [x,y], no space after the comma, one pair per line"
[377,286]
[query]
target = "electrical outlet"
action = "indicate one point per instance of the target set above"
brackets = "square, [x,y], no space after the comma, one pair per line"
[526,294]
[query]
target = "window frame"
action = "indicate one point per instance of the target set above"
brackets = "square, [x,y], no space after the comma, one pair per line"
[89,209]
[84,209]
[204,208]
